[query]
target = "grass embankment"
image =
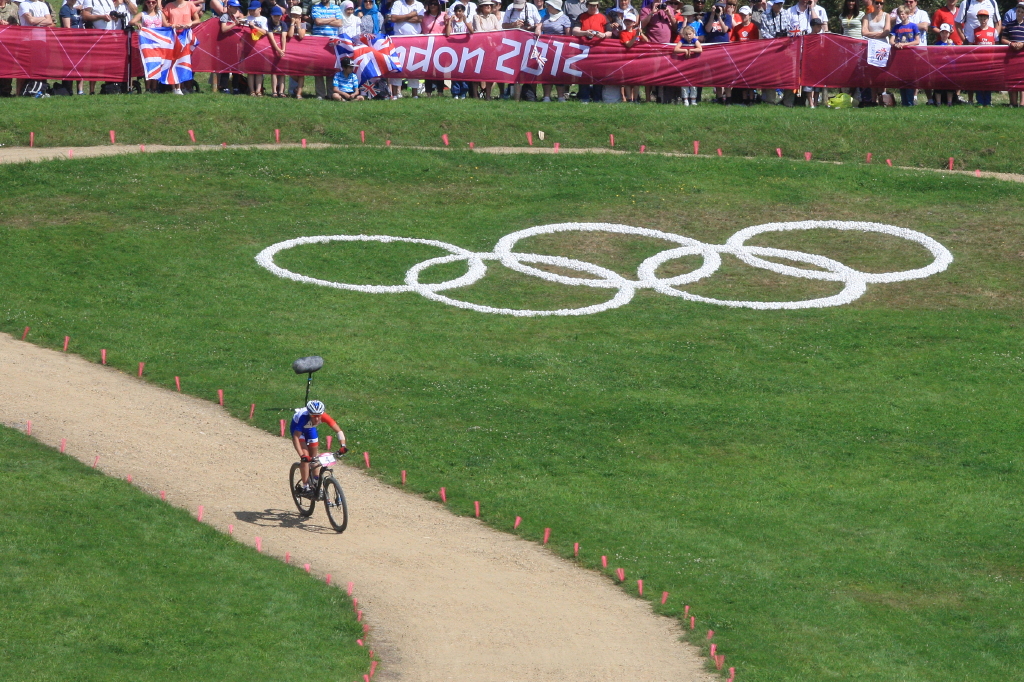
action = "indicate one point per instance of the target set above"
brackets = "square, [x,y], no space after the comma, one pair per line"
[920,136]
[834,491]
[104,582]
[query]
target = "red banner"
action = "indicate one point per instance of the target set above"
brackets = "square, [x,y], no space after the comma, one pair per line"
[516,56]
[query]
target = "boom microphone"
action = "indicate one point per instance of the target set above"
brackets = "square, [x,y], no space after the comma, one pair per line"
[308,365]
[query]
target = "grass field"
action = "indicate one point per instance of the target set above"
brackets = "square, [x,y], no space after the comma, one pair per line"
[920,136]
[103,582]
[835,492]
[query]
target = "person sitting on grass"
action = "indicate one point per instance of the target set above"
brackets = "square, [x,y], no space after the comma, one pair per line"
[906,34]
[305,438]
[346,84]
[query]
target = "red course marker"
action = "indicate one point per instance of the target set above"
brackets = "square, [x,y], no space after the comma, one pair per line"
[355,604]
[359,616]
[31,139]
[328,578]
[604,561]
[557,146]
[686,611]
[547,535]
[366,677]
[643,148]
[470,145]
[951,163]
[611,139]
[476,508]
[259,544]
[24,334]
[71,153]
[869,157]
[387,143]
[224,145]
[640,587]
[252,409]
[103,355]
[692,622]
[719,152]
[576,549]
[231,529]
[199,516]
[163,495]
[714,647]
[621,573]
[63,442]
[403,476]
[519,519]
[359,642]
[329,442]
[177,384]
[28,432]
[287,557]
[732,674]
[711,633]
[220,396]
[444,497]
[303,143]
[192,136]
[113,137]
[129,479]
[696,147]
[142,366]
[282,428]
[366,458]
[307,567]
[66,340]
[664,598]
[142,148]
[778,150]
[444,138]
[373,667]
[362,136]
[719,661]
[889,162]
[348,590]
[277,136]
[977,172]
[529,138]
[97,461]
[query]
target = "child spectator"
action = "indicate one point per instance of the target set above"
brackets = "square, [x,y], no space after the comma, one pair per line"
[906,34]
[259,27]
[688,46]
[278,83]
[296,31]
[945,40]
[984,34]
[1013,35]
[629,35]
[456,24]
[741,33]
[346,84]
[148,16]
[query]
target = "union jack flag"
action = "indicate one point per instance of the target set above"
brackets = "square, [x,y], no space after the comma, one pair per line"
[166,56]
[370,54]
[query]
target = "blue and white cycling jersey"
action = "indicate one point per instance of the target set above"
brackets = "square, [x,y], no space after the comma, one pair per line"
[300,422]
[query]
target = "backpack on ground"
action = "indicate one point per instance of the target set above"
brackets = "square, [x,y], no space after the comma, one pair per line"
[35,88]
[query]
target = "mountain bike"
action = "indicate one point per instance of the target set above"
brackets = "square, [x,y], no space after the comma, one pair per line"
[322,487]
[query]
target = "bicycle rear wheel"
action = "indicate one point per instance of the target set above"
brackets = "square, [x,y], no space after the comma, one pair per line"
[303,501]
[334,503]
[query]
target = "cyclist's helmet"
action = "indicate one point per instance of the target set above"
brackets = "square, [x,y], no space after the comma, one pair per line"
[315,407]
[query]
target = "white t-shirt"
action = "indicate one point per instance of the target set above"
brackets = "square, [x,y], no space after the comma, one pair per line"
[407,28]
[800,22]
[528,15]
[970,19]
[35,9]
[258,22]
[919,17]
[106,7]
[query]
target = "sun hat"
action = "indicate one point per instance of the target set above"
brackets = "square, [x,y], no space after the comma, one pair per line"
[485,2]
[518,4]
[745,10]
[946,27]
[295,11]
[255,4]
[557,4]
[688,11]
[983,12]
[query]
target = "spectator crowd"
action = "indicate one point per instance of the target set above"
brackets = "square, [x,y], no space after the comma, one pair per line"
[687,27]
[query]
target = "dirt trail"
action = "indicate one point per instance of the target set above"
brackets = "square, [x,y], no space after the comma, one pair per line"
[22,154]
[447,597]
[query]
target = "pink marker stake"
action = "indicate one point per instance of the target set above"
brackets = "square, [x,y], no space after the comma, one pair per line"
[359,616]
[611,139]
[328,578]
[63,442]
[373,667]
[476,508]
[640,587]
[287,557]
[224,145]
[696,147]
[259,544]
[714,647]
[519,519]
[129,479]
[604,561]
[403,476]
[444,138]
[977,172]
[557,146]
[329,442]
[444,497]
[220,396]
[889,162]
[575,549]
[720,661]
[177,383]
[95,461]
[163,495]
[192,136]
[359,642]
[252,409]
[66,340]
[231,529]
[711,633]
[732,673]
[199,516]
[869,157]
[31,139]
[277,136]
[28,431]
[348,590]
[807,156]
[778,150]
[387,143]
[24,334]
[686,611]
[307,567]
[303,143]
[282,428]
[951,163]
[643,148]
[366,629]
[103,355]
[719,152]
[547,535]
[692,622]
[621,573]
[366,458]
[664,598]
[366,677]
[529,138]
[471,145]
[113,137]
[71,153]
[142,366]
[362,136]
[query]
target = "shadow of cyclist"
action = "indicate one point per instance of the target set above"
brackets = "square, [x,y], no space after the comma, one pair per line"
[282,518]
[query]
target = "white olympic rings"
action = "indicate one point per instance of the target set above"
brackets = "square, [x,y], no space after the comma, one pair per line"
[855,282]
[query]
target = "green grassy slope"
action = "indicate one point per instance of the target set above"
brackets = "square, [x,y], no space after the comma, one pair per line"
[103,582]
[834,491]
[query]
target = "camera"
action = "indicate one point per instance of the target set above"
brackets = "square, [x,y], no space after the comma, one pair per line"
[118,16]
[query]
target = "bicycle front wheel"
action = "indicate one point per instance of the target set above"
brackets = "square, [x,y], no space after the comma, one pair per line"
[305,502]
[335,505]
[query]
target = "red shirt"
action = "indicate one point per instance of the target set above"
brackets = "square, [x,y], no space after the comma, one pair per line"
[741,33]
[985,36]
[944,16]
[626,36]
[592,22]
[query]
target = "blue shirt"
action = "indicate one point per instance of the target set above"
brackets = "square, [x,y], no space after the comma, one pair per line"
[347,84]
[318,11]
[906,33]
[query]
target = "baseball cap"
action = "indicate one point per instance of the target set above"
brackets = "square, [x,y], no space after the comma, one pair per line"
[745,10]
[278,11]
[778,2]
[295,11]
[485,2]
[593,2]
[983,12]
[947,27]
[255,4]
[234,3]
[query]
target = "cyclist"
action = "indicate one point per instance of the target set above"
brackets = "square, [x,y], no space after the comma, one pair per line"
[305,438]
